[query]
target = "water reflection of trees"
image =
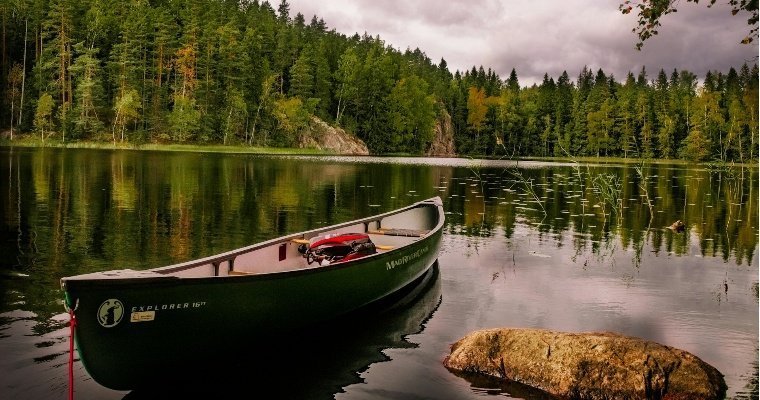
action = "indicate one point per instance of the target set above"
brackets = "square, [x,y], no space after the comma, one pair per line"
[67,212]
[718,207]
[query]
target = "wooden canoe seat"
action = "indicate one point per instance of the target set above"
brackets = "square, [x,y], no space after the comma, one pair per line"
[300,241]
[399,232]
[383,247]
[239,273]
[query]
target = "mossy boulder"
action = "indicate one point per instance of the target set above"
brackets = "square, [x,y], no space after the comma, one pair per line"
[593,366]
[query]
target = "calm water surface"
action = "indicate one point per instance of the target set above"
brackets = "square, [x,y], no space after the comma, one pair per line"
[573,247]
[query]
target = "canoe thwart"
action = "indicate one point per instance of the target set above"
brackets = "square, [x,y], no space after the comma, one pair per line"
[300,241]
[399,232]
[383,247]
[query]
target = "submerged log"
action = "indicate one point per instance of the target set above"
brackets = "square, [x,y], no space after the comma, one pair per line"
[593,366]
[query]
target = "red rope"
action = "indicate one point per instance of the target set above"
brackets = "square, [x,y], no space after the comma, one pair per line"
[72,324]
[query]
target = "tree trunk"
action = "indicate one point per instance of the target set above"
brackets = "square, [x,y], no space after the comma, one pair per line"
[340,99]
[227,128]
[5,48]
[143,89]
[113,127]
[63,79]
[253,126]
[208,79]
[337,114]
[23,73]
[12,104]
[741,146]
[752,131]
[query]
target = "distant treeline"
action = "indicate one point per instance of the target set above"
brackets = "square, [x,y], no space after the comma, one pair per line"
[237,71]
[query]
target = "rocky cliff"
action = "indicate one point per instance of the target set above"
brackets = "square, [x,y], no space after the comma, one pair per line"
[443,141]
[320,135]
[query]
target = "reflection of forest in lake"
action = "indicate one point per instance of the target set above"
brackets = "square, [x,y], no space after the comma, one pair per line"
[718,207]
[115,205]
[67,212]
[75,211]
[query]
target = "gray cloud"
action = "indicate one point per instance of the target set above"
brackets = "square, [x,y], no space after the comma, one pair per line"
[537,37]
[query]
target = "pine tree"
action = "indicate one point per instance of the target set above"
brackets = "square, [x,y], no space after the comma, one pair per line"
[164,46]
[185,117]
[88,90]
[645,123]
[627,118]
[301,76]
[512,82]
[52,69]
[322,82]
[283,12]
[13,91]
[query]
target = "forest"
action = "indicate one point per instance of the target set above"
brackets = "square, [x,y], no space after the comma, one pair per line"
[242,72]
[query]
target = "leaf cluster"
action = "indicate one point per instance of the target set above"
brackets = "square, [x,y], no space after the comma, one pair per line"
[650,13]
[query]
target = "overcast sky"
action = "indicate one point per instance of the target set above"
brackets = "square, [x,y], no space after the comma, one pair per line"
[542,36]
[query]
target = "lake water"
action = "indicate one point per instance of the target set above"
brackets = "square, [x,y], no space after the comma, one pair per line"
[562,246]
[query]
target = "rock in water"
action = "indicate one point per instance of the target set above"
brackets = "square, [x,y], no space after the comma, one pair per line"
[590,366]
[678,226]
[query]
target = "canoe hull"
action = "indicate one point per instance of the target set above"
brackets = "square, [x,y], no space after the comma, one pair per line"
[131,332]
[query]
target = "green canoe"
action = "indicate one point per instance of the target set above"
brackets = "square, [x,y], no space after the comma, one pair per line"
[134,326]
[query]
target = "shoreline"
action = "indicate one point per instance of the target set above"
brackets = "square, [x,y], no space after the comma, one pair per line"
[197,148]
[27,142]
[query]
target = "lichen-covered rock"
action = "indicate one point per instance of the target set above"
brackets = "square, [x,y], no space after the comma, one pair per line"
[593,366]
[320,135]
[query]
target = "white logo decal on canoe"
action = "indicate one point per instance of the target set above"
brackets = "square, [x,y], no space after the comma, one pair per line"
[405,259]
[110,313]
[167,306]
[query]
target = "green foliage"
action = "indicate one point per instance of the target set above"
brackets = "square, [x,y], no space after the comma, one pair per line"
[347,80]
[696,147]
[292,115]
[126,110]
[88,90]
[236,114]
[476,108]
[13,94]
[650,12]
[302,77]
[184,119]
[43,115]
[412,115]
